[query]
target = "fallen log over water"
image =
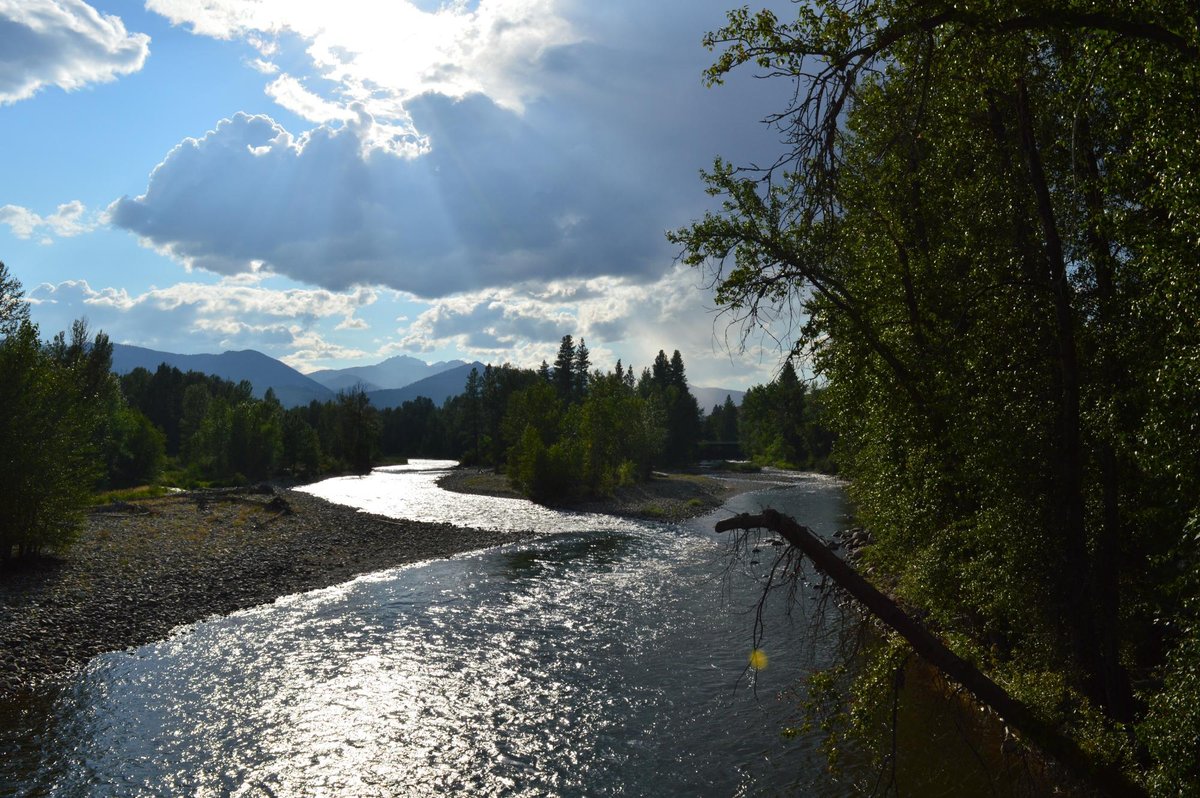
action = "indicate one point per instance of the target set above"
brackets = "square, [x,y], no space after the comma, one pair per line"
[1019,717]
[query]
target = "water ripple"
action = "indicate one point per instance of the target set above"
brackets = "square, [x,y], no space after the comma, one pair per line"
[605,658]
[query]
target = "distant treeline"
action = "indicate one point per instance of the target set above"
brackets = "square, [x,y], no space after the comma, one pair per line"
[69,428]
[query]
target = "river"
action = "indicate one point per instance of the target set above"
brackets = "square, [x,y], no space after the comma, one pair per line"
[605,657]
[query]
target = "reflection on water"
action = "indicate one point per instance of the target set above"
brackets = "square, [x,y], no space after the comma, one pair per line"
[606,658]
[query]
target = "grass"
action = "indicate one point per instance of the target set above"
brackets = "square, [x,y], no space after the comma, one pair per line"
[739,466]
[391,461]
[129,494]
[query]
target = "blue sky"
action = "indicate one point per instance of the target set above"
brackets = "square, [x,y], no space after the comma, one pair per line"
[336,183]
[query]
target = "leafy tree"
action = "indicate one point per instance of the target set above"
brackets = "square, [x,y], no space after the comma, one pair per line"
[135,450]
[991,225]
[256,439]
[14,310]
[300,451]
[49,428]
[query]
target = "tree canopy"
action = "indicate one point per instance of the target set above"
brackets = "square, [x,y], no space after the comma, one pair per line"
[988,219]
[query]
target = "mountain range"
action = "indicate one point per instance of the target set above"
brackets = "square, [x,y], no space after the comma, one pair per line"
[292,387]
[388,384]
[395,372]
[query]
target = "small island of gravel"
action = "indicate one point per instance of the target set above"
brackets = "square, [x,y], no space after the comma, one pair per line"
[664,497]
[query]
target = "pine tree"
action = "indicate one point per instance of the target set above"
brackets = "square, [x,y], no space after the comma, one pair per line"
[582,365]
[564,368]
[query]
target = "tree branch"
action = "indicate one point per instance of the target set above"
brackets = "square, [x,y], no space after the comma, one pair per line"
[1108,780]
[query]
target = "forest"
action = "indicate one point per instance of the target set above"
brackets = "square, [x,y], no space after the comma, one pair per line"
[986,226]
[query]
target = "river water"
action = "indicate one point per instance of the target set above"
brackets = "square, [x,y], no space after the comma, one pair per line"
[605,657]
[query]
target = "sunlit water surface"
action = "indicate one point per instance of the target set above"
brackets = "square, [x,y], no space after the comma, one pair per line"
[607,657]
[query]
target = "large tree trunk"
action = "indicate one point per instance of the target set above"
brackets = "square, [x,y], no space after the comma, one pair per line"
[1107,780]
[1106,562]
[1077,568]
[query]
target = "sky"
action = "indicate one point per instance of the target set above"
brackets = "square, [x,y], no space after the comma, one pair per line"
[335,183]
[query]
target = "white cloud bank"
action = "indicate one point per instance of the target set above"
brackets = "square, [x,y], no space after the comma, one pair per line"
[63,43]
[198,317]
[616,316]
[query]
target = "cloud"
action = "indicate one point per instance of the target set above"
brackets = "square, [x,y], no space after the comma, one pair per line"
[290,93]
[70,219]
[190,317]
[311,351]
[64,43]
[513,141]
[397,48]
[484,207]
[618,317]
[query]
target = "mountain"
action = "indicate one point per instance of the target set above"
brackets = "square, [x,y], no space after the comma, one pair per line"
[708,397]
[439,387]
[395,372]
[292,387]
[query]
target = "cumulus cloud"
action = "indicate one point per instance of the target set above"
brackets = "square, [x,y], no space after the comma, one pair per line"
[312,351]
[514,140]
[70,219]
[482,208]
[191,317]
[617,317]
[64,43]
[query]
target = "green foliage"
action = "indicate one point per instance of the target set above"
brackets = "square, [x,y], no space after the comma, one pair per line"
[990,221]
[358,430]
[783,424]
[136,450]
[50,427]
[589,448]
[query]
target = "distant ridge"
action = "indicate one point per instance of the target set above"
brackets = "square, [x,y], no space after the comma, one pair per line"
[395,372]
[438,388]
[441,381]
[707,398]
[262,371]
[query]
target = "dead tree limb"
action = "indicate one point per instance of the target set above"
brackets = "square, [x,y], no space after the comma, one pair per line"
[1107,779]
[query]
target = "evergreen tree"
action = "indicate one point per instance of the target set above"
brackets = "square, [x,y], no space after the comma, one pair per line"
[582,367]
[564,369]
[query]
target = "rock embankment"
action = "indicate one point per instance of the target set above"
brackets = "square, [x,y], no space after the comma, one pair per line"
[140,569]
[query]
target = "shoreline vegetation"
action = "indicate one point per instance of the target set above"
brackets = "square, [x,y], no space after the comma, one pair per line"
[142,568]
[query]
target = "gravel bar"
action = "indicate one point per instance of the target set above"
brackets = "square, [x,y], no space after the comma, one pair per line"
[140,569]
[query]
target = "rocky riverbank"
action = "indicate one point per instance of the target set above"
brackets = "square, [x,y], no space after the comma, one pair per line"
[140,569]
